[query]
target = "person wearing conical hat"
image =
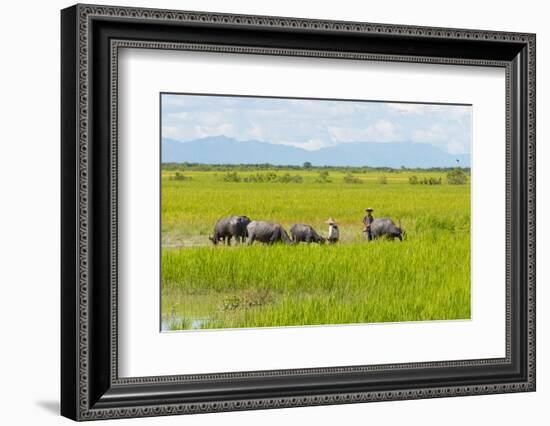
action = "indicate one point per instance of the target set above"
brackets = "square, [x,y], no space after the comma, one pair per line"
[333,232]
[367,221]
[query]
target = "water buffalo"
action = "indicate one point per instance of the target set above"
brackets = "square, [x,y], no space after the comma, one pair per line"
[384,226]
[229,227]
[266,232]
[301,232]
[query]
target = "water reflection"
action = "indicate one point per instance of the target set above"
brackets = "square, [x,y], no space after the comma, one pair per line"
[175,322]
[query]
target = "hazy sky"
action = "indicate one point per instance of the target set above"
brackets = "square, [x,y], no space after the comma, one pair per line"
[314,124]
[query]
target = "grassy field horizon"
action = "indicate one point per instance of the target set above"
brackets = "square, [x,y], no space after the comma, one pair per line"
[426,277]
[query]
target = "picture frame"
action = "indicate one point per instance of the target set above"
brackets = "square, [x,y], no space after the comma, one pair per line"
[90,384]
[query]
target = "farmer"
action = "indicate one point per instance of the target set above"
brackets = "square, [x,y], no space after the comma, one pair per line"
[333,232]
[367,221]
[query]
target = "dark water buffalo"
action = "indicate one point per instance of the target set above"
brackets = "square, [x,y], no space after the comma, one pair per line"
[229,227]
[384,226]
[266,232]
[301,232]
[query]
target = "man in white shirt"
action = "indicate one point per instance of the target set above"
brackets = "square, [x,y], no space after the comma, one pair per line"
[333,232]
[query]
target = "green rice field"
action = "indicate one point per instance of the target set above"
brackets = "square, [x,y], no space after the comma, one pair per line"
[425,277]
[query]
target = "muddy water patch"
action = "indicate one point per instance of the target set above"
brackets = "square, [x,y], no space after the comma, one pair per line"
[210,310]
[181,323]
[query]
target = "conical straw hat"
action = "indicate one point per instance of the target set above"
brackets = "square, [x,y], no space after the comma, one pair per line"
[330,220]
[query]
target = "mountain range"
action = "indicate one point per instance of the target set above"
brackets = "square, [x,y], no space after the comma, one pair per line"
[224,150]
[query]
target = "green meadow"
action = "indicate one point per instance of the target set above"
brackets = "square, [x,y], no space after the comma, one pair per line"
[425,277]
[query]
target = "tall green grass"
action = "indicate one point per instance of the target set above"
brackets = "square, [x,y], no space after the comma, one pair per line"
[190,208]
[426,277]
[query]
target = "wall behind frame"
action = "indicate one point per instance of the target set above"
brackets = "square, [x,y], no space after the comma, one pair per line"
[29,217]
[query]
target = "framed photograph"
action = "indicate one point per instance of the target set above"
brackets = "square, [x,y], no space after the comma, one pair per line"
[263,212]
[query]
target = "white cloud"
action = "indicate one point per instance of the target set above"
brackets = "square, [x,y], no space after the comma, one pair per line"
[256,132]
[428,134]
[439,135]
[203,131]
[310,145]
[381,131]
[170,132]
[175,116]
[450,111]
[313,124]
[456,147]
[454,112]
[406,108]
[198,131]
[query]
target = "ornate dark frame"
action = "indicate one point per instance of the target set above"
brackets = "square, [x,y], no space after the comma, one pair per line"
[91,37]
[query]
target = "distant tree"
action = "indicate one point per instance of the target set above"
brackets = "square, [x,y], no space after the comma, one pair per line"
[457,177]
[307,165]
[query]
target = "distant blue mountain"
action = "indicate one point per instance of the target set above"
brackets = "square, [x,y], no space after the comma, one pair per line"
[224,150]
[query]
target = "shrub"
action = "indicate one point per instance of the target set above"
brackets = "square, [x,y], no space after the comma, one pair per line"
[273,177]
[434,181]
[383,180]
[323,177]
[350,178]
[430,181]
[180,176]
[270,177]
[260,177]
[413,180]
[456,177]
[287,178]
[231,177]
